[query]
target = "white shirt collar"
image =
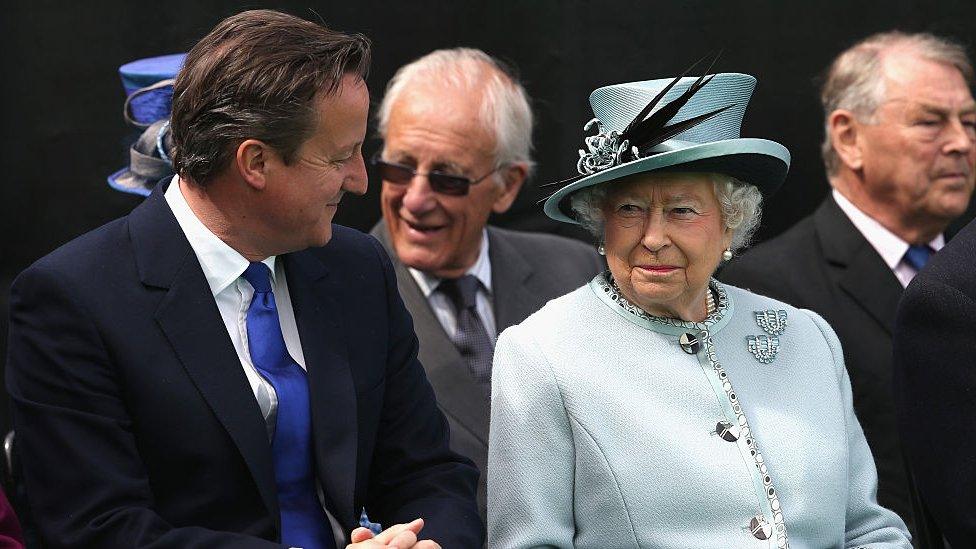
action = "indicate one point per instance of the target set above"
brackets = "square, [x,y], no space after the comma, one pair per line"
[889,246]
[481,269]
[221,264]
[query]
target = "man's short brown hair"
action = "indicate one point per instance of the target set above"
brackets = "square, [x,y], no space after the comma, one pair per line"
[255,76]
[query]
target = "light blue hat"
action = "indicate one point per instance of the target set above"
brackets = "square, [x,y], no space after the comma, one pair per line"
[634,135]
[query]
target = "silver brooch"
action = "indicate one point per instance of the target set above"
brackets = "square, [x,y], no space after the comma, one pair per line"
[772,322]
[763,347]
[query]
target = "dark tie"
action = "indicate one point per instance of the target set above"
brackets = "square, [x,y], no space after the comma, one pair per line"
[918,256]
[303,521]
[471,339]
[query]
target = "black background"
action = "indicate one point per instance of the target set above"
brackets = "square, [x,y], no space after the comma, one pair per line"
[60,96]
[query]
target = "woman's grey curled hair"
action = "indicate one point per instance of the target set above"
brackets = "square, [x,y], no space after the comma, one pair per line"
[741,208]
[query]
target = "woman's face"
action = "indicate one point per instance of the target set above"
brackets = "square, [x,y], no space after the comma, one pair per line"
[664,237]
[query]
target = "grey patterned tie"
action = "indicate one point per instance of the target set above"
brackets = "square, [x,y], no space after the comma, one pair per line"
[471,339]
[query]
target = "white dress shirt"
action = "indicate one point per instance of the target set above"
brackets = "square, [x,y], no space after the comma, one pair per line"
[889,246]
[441,304]
[223,267]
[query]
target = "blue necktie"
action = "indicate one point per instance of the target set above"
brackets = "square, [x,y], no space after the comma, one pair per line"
[303,521]
[917,256]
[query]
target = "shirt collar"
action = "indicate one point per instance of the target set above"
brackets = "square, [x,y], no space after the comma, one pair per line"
[889,246]
[481,270]
[221,264]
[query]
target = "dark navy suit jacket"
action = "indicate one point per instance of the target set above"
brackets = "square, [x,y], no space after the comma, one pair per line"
[935,385]
[137,427]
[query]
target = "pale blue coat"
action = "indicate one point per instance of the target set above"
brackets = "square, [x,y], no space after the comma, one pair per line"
[605,433]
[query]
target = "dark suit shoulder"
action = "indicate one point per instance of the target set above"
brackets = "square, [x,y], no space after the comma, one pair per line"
[776,255]
[953,265]
[531,240]
[89,250]
[550,250]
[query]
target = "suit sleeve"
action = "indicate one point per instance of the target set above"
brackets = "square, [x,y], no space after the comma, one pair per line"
[868,525]
[530,451]
[935,390]
[414,473]
[84,479]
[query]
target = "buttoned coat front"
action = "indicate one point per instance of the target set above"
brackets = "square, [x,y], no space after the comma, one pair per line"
[606,433]
[826,265]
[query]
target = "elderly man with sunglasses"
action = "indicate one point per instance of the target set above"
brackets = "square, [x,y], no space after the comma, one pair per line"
[457,132]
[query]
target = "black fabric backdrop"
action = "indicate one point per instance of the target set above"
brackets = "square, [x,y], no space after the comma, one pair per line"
[60,97]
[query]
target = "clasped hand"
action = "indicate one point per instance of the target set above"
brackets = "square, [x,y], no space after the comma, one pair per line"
[398,536]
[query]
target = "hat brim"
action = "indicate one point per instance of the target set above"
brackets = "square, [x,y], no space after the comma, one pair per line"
[126,181]
[759,162]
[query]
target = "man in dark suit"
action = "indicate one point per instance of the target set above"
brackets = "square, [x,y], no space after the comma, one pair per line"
[935,385]
[899,155]
[457,132]
[223,367]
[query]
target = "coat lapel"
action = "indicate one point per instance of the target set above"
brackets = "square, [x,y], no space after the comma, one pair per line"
[864,275]
[511,277]
[334,419]
[189,318]
[457,392]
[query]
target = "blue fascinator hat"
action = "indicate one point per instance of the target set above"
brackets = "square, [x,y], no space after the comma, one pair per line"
[148,85]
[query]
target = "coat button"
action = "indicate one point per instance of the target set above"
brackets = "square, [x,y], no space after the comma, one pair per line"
[727,431]
[760,528]
[690,343]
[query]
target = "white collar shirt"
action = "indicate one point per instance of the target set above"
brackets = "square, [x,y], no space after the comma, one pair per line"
[443,308]
[223,267]
[889,246]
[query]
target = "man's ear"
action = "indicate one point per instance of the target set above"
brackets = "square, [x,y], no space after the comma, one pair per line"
[846,138]
[513,175]
[252,162]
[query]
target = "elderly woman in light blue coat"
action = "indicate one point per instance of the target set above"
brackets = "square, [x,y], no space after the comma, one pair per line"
[655,406]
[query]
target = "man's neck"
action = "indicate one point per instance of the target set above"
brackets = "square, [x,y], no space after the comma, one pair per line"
[221,216]
[914,231]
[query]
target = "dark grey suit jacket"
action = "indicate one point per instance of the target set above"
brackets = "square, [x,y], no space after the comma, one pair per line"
[825,264]
[527,270]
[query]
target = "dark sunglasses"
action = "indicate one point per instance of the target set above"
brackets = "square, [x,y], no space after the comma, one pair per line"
[444,183]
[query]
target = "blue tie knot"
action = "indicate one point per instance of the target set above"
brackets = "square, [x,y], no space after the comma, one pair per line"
[259,275]
[918,255]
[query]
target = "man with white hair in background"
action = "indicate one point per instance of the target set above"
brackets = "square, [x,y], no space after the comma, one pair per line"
[899,151]
[457,130]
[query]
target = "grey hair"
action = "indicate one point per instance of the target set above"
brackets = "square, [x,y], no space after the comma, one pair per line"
[855,80]
[741,205]
[505,111]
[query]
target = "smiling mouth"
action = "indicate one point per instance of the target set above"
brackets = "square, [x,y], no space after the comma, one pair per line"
[423,229]
[658,269]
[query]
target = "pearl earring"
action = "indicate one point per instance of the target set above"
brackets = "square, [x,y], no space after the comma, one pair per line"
[727,254]
[601,250]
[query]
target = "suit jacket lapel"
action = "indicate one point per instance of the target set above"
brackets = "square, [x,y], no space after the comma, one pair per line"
[457,393]
[334,418]
[189,317]
[865,277]
[511,277]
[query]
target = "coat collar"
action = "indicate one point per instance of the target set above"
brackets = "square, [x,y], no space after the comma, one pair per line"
[515,299]
[863,274]
[321,330]
[458,395]
[189,317]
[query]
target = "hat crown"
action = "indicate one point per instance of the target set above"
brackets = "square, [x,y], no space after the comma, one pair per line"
[617,105]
